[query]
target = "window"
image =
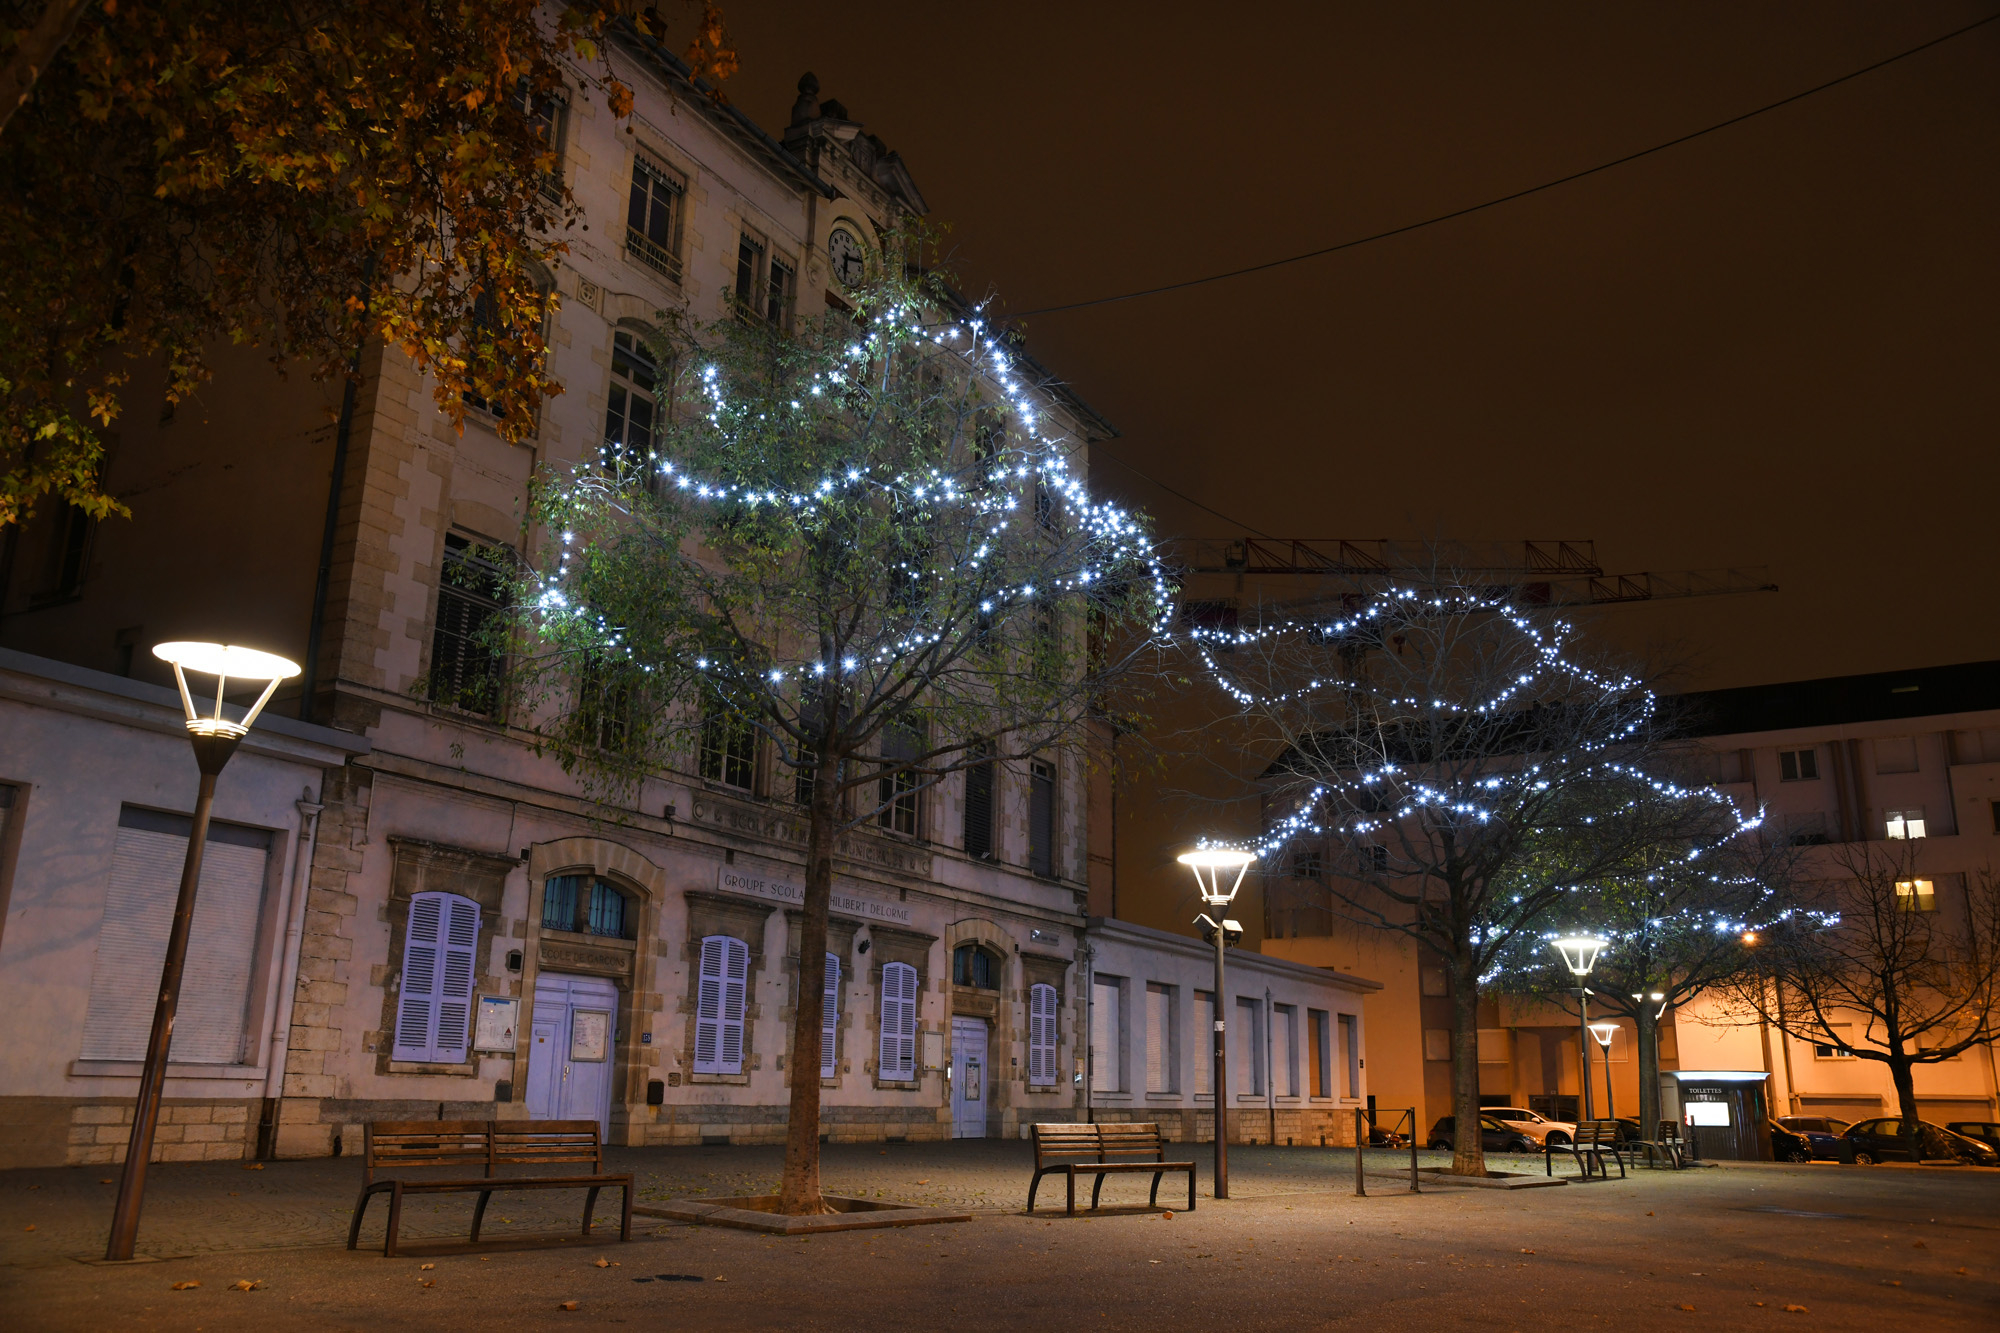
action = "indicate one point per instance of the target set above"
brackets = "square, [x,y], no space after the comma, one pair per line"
[632,407]
[146,859]
[1834,1047]
[1916,895]
[506,362]
[1431,981]
[67,560]
[979,804]
[588,906]
[1807,830]
[1896,754]
[465,664]
[1246,1048]
[603,713]
[829,1021]
[1906,823]
[1202,1050]
[1284,1050]
[1996,816]
[1160,1043]
[1107,1034]
[718,1013]
[1437,1044]
[972,966]
[728,746]
[653,219]
[1047,663]
[764,284]
[1350,1056]
[1798,765]
[898,1063]
[545,115]
[897,796]
[434,1007]
[1042,819]
[1306,863]
[1045,504]
[1042,1035]
[1319,1054]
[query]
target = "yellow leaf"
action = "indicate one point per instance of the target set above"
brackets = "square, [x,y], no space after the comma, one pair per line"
[186,1286]
[244,1284]
[603,1263]
[1797,1309]
[567,1305]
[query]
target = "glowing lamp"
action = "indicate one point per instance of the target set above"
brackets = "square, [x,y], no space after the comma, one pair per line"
[1210,865]
[1603,1032]
[224,661]
[1579,952]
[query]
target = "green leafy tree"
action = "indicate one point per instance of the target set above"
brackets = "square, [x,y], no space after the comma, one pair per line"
[305,177]
[859,546]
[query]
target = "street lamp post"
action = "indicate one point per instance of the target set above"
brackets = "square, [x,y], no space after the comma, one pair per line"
[1603,1031]
[1210,865]
[1579,954]
[215,739]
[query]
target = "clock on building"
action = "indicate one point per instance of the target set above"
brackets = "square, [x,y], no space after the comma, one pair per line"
[849,260]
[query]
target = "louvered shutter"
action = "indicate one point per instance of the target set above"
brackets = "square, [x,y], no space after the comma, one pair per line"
[416,1005]
[829,1018]
[708,1005]
[899,1022]
[458,937]
[735,981]
[1042,1034]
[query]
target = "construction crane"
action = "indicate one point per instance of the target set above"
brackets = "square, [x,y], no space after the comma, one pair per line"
[1538,573]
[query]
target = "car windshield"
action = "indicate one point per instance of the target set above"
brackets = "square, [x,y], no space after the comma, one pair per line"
[1514,1113]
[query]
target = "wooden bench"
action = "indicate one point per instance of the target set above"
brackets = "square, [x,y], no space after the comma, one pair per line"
[1594,1141]
[487,1145]
[1666,1142]
[1100,1150]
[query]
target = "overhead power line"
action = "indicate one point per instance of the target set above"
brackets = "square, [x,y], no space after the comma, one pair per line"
[1507,198]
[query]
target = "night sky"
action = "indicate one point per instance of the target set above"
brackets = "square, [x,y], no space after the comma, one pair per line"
[1774,346]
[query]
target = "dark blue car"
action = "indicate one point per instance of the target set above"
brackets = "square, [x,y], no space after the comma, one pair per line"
[1493,1136]
[1820,1132]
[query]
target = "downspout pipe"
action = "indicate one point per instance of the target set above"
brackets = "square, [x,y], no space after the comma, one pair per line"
[288,981]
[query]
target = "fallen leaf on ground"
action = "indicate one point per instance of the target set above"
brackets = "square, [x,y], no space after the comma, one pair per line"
[720,1278]
[107,1182]
[254,1166]
[1758,1304]
[485,1259]
[430,1282]
[602,1263]
[1961,1270]
[567,1305]
[1890,1282]
[425,1268]
[1688,1308]
[1167,1216]
[186,1286]
[1649,1212]
[29,1227]
[1797,1309]
[244,1284]
[1527,1252]
[1920,1246]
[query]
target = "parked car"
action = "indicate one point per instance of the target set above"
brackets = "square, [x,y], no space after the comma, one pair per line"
[1539,1129]
[1821,1133]
[1494,1136]
[1379,1137]
[1788,1146]
[1882,1141]
[1986,1131]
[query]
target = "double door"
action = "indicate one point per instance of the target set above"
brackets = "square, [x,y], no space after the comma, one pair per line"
[572,1035]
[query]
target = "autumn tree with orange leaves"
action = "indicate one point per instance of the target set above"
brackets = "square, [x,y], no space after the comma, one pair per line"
[304,178]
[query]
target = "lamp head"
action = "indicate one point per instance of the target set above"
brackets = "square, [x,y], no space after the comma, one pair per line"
[1603,1031]
[1579,952]
[1211,865]
[223,661]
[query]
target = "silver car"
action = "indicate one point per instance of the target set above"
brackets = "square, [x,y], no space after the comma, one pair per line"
[1538,1128]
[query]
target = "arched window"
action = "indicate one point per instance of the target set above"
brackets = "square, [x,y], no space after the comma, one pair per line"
[589,906]
[898,1061]
[434,1006]
[1042,1034]
[718,1014]
[972,966]
[632,407]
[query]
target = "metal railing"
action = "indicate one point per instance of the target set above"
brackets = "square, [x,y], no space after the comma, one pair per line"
[1362,1127]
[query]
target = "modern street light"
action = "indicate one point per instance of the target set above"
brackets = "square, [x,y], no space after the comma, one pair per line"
[1210,867]
[215,739]
[1603,1033]
[1579,954]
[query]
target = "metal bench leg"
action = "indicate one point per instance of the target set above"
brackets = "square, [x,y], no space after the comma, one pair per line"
[589,1207]
[395,1219]
[1153,1199]
[1190,1189]
[354,1227]
[1072,1193]
[1034,1185]
[479,1212]
[625,1225]
[1096,1190]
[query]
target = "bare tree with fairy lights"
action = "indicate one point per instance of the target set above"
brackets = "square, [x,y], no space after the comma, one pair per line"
[1461,770]
[859,549]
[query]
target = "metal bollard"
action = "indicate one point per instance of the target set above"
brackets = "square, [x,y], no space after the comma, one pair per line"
[1360,1139]
[1414,1187]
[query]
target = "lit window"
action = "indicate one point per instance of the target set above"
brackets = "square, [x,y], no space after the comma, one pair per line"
[1916,895]
[1798,765]
[1906,823]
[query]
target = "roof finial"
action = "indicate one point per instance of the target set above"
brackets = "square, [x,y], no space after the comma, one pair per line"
[807,107]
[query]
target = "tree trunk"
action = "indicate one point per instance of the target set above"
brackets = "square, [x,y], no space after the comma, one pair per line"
[38,47]
[1468,1150]
[799,1194]
[1901,1073]
[1649,1070]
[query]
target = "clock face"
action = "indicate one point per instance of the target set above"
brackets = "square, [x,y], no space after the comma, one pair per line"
[849,260]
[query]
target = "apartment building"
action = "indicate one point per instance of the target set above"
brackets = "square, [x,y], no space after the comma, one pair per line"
[1895,755]
[408,912]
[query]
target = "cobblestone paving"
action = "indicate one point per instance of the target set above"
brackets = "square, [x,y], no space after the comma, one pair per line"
[196,1208]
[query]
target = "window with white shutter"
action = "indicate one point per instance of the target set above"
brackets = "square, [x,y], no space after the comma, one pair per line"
[898,1062]
[434,1006]
[829,1019]
[1041,1035]
[146,862]
[718,1017]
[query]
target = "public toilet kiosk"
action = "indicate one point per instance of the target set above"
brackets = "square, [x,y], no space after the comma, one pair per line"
[1725,1113]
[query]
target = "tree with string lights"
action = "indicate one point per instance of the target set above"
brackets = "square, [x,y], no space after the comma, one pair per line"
[860,547]
[1463,769]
